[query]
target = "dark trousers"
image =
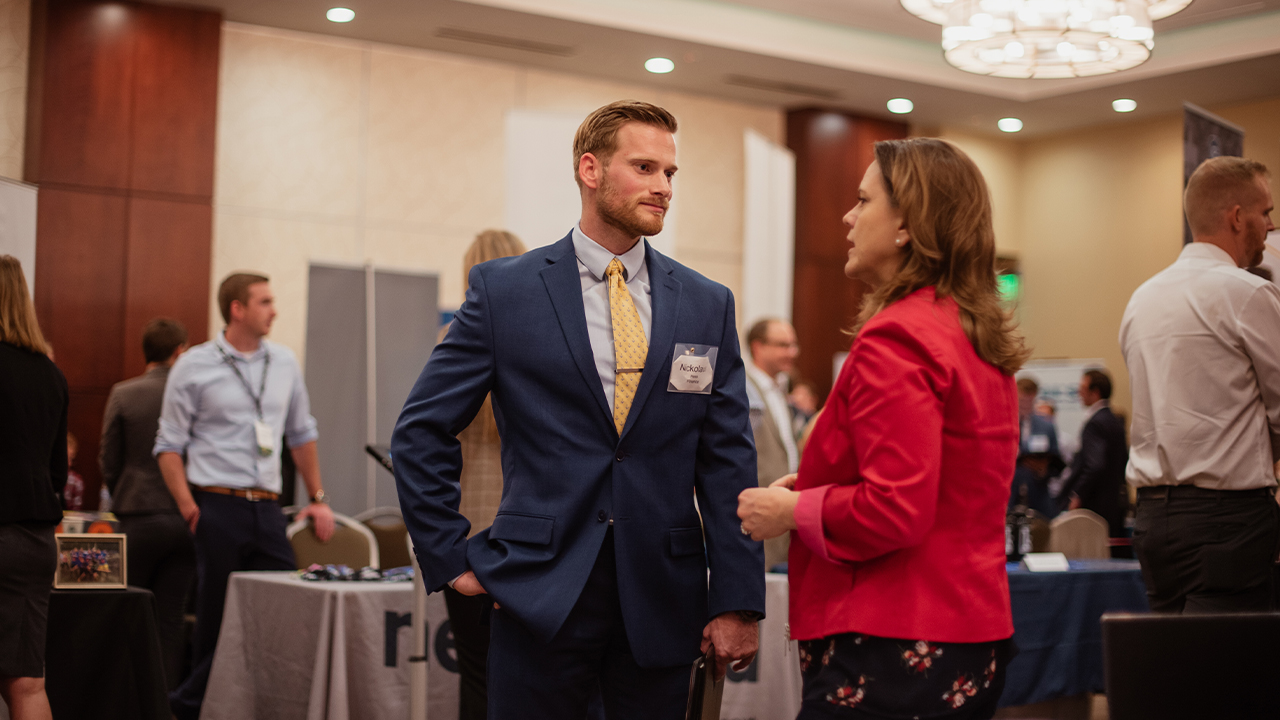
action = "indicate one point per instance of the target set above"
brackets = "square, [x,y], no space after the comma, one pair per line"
[469,622]
[1207,550]
[162,559]
[533,680]
[233,534]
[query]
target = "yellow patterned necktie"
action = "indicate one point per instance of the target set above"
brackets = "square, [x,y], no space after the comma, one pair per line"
[630,347]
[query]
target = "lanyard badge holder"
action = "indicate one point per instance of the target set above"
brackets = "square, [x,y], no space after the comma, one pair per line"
[262,432]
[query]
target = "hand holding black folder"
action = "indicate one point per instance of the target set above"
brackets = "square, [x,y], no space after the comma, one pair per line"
[705,691]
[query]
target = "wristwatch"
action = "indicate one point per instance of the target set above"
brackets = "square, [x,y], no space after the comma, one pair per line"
[319,497]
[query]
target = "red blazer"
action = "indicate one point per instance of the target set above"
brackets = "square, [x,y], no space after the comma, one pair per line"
[903,486]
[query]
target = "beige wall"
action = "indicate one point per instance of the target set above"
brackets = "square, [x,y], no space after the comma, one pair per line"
[344,152]
[15,30]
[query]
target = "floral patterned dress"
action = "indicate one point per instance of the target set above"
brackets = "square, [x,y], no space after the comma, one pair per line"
[854,676]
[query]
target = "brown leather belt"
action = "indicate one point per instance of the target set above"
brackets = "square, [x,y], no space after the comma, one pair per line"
[250,494]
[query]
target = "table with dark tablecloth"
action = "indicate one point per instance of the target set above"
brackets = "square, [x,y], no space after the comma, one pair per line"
[103,656]
[1057,626]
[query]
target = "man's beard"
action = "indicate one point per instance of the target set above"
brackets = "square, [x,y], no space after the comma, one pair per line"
[626,216]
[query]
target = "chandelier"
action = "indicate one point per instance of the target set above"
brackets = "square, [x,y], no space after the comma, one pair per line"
[1045,38]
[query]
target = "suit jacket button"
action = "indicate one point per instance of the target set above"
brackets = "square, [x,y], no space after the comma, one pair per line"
[619,457]
[602,516]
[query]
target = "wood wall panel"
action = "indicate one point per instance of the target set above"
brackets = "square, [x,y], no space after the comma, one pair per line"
[833,150]
[175,101]
[80,281]
[86,94]
[123,100]
[168,245]
[84,420]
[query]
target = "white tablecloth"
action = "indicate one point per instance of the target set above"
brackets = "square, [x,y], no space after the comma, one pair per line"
[340,651]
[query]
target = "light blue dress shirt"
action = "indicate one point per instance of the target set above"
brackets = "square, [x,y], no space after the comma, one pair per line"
[593,260]
[208,413]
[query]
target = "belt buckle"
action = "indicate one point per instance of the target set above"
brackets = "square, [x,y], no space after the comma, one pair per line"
[248,495]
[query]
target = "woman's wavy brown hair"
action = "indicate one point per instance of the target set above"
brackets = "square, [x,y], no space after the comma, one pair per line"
[946,208]
[488,245]
[18,324]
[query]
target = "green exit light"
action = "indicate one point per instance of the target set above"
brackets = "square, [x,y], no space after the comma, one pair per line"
[1009,286]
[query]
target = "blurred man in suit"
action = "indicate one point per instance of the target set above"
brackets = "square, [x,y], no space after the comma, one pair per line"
[773,351]
[1039,459]
[618,390]
[1097,469]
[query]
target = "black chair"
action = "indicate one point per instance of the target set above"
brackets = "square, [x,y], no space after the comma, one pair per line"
[1192,666]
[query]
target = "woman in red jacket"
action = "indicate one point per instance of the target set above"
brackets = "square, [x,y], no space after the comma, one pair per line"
[899,595]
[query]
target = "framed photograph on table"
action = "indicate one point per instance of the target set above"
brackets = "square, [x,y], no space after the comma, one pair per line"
[91,561]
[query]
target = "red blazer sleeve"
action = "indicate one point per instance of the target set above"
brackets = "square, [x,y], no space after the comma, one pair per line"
[895,418]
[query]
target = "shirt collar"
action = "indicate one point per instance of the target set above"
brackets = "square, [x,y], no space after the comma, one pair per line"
[762,376]
[221,341]
[596,258]
[1093,409]
[1206,252]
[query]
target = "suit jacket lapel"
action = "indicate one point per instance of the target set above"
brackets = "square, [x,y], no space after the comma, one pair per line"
[565,288]
[665,295]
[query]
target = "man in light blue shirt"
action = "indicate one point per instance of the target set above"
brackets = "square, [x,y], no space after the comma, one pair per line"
[226,405]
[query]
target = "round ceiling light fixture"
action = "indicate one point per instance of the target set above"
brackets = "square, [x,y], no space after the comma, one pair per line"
[1045,38]
[341,15]
[1010,125]
[1124,105]
[659,65]
[900,106]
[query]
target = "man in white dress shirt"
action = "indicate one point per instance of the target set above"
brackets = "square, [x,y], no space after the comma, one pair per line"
[1202,342]
[773,347]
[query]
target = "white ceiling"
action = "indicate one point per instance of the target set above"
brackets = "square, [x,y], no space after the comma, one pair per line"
[847,54]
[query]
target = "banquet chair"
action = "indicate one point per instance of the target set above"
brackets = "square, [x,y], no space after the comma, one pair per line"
[1191,666]
[352,544]
[1080,535]
[387,526]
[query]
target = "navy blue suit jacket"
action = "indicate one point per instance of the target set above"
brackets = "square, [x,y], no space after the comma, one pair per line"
[522,336]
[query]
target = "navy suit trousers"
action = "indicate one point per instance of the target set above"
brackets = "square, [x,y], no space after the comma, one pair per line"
[530,679]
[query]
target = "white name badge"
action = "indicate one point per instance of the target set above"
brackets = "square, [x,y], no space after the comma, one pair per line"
[1038,444]
[693,367]
[266,438]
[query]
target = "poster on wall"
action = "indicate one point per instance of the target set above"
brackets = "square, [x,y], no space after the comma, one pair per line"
[1204,136]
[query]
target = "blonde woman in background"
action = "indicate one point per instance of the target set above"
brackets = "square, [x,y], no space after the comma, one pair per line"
[481,493]
[33,471]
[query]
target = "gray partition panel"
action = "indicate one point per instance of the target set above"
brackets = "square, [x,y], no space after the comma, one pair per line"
[407,318]
[336,379]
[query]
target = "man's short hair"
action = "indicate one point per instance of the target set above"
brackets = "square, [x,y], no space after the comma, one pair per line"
[598,134]
[760,330]
[161,337]
[1215,187]
[1027,386]
[236,287]
[1100,382]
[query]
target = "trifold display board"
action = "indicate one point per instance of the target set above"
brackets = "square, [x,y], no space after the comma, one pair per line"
[369,333]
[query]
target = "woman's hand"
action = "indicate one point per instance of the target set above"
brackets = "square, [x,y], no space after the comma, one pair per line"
[768,512]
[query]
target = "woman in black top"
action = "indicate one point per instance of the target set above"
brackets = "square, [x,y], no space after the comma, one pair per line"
[33,469]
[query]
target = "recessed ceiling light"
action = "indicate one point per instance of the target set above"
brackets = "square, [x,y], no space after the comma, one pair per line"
[1009,124]
[340,15]
[900,106]
[1124,105]
[659,65]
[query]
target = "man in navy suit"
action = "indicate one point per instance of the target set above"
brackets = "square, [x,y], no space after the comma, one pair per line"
[619,393]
